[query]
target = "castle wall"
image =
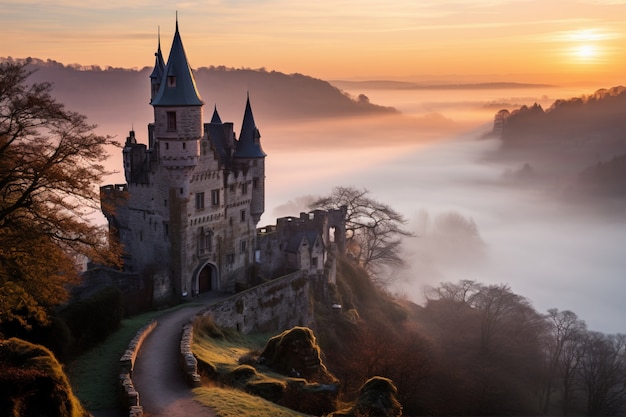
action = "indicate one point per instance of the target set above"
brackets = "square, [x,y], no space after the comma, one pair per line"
[274,306]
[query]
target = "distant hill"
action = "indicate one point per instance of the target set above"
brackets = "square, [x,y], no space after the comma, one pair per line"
[404,85]
[604,179]
[123,94]
[578,140]
[597,118]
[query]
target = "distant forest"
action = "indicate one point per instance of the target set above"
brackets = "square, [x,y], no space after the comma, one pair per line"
[581,140]
[115,93]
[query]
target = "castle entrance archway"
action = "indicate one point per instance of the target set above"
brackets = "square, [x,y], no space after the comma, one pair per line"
[206,279]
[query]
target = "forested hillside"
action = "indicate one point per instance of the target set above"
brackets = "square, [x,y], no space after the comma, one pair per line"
[579,143]
[123,95]
[472,349]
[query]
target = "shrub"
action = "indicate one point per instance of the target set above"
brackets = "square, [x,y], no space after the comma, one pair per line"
[32,383]
[91,320]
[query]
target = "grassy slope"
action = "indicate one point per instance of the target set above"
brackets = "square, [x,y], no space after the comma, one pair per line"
[234,403]
[94,375]
[223,354]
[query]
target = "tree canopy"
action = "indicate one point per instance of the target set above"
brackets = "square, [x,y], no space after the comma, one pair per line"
[51,162]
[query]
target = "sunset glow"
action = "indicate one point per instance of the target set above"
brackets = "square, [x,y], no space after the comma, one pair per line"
[461,40]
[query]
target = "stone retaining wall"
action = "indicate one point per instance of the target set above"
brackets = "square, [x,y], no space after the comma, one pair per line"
[274,306]
[188,361]
[129,397]
[271,307]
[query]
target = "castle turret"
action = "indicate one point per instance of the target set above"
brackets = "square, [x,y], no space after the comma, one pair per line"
[248,150]
[157,73]
[178,110]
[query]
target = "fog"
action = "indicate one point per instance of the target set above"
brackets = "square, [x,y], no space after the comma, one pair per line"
[429,162]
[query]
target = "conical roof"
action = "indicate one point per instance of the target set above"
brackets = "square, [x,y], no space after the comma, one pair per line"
[216,116]
[178,86]
[249,143]
[159,64]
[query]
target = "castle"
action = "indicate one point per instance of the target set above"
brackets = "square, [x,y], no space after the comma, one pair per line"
[187,216]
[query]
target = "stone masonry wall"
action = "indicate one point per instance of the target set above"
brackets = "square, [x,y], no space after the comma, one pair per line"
[274,306]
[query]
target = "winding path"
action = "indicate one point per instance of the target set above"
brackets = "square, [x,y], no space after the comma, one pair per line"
[157,375]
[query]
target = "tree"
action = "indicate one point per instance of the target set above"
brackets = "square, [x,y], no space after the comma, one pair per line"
[50,166]
[490,344]
[565,331]
[374,230]
[603,372]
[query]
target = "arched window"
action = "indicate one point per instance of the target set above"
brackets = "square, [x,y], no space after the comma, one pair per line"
[205,241]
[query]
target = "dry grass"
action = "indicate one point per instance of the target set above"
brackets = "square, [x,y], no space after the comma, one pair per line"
[229,402]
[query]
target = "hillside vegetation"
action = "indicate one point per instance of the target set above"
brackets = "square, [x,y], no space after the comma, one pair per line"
[578,142]
[32,383]
[112,94]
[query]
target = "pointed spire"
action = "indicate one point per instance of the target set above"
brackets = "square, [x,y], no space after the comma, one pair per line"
[216,117]
[249,143]
[159,64]
[178,85]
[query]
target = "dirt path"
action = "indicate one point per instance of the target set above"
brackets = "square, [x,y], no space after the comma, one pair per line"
[157,376]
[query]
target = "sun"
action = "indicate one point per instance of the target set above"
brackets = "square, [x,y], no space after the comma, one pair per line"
[586,52]
[585,45]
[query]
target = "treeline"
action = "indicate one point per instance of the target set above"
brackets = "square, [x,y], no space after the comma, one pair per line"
[593,119]
[110,95]
[473,350]
[577,144]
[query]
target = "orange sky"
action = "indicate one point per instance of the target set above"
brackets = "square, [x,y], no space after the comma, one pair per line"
[525,40]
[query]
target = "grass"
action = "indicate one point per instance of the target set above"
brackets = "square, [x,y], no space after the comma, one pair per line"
[223,353]
[95,374]
[229,402]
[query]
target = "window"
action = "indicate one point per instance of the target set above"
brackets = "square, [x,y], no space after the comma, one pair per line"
[244,246]
[244,188]
[242,215]
[255,183]
[199,201]
[166,228]
[230,258]
[165,203]
[171,120]
[205,241]
[184,145]
[215,197]
[167,146]
[171,81]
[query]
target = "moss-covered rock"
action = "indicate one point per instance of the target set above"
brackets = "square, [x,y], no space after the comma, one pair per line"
[32,383]
[295,353]
[377,397]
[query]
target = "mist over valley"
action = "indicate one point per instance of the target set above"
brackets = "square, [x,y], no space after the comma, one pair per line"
[425,153]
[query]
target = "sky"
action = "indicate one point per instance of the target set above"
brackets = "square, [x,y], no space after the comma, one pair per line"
[548,41]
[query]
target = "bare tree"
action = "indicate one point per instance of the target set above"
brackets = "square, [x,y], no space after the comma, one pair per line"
[603,372]
[374,230]
[565,331]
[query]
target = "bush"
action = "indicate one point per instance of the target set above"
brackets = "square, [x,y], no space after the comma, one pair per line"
[93,319]
[32,383]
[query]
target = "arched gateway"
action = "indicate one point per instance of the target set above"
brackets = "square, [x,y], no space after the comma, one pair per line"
[206,278]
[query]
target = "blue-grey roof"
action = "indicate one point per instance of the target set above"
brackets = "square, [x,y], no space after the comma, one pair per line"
[296,239]
[185,92]
[249,143]
[216,117]
[159,64]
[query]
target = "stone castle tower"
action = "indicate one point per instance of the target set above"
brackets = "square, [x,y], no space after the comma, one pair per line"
[194,194]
